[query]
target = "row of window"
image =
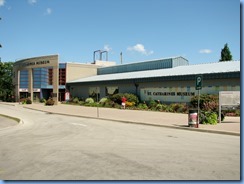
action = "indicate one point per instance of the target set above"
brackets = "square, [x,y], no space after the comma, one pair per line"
[41,75]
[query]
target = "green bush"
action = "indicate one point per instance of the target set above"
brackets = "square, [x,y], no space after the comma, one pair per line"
[49,102]
[89,100]
[204,98]
[232,112]
[170,108]
[163,107]
[209,118]
[159,107]
[43,100]
[81,102]
[28,101]
[108,103]
[142,106]
[103,100]
[178,107]
[75,100]
[208,104]
[152,104]
[130,98]
[25,101]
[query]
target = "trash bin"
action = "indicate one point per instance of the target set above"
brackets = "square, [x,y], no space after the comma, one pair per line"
[192,118]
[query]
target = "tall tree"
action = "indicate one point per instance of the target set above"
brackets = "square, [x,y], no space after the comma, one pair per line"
[226,54]
[6,84]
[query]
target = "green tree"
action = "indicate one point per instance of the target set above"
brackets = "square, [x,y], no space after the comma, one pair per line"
[6,84]
[226,54]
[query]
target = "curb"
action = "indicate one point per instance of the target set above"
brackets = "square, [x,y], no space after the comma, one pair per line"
[13,104]
[147,124]
[12,118]
[18,121]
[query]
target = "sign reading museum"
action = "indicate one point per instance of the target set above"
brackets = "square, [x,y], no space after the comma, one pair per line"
[168,94]
[36,63]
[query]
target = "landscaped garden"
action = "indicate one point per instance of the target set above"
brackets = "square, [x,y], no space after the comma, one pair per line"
[208,105]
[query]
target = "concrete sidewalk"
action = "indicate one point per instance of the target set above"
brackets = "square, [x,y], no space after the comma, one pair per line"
[230,126]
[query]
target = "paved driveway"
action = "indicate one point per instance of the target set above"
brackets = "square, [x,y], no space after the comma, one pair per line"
[56,147]
[7,122]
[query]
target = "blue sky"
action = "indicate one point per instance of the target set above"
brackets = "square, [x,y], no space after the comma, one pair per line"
[140,29]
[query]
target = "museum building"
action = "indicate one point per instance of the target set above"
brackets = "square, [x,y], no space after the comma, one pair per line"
[44,77]
[168,80]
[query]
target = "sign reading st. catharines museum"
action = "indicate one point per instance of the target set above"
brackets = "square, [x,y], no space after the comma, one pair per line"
[168,94]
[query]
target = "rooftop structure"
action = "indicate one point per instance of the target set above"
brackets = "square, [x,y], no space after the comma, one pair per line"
[161,63]
[207,68]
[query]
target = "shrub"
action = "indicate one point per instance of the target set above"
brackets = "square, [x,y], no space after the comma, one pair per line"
[152,104]
[129,104]
[142,106]
[164,107]
[103,100]
[108,103]
[182,108]
[209,118]
[75,100]
[175,107]
[42,100]
[210,105]
[28,101]
[50,101]
[81,103]
[204,98]
[170,108]
[115,105]
[130,98]
[232,112]
[159,107]
[23,100]
[89,100]
[179,107]
[116,98]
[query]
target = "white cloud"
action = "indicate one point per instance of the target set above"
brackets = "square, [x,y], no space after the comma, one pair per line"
[205,51]
[32,2]
[107,48]
[2,2]
[140,48]
[48,11]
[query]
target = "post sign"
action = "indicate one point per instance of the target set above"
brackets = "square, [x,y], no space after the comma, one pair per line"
[198,82]
[198,87]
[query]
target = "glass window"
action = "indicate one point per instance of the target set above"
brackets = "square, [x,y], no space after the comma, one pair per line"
[111,90]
